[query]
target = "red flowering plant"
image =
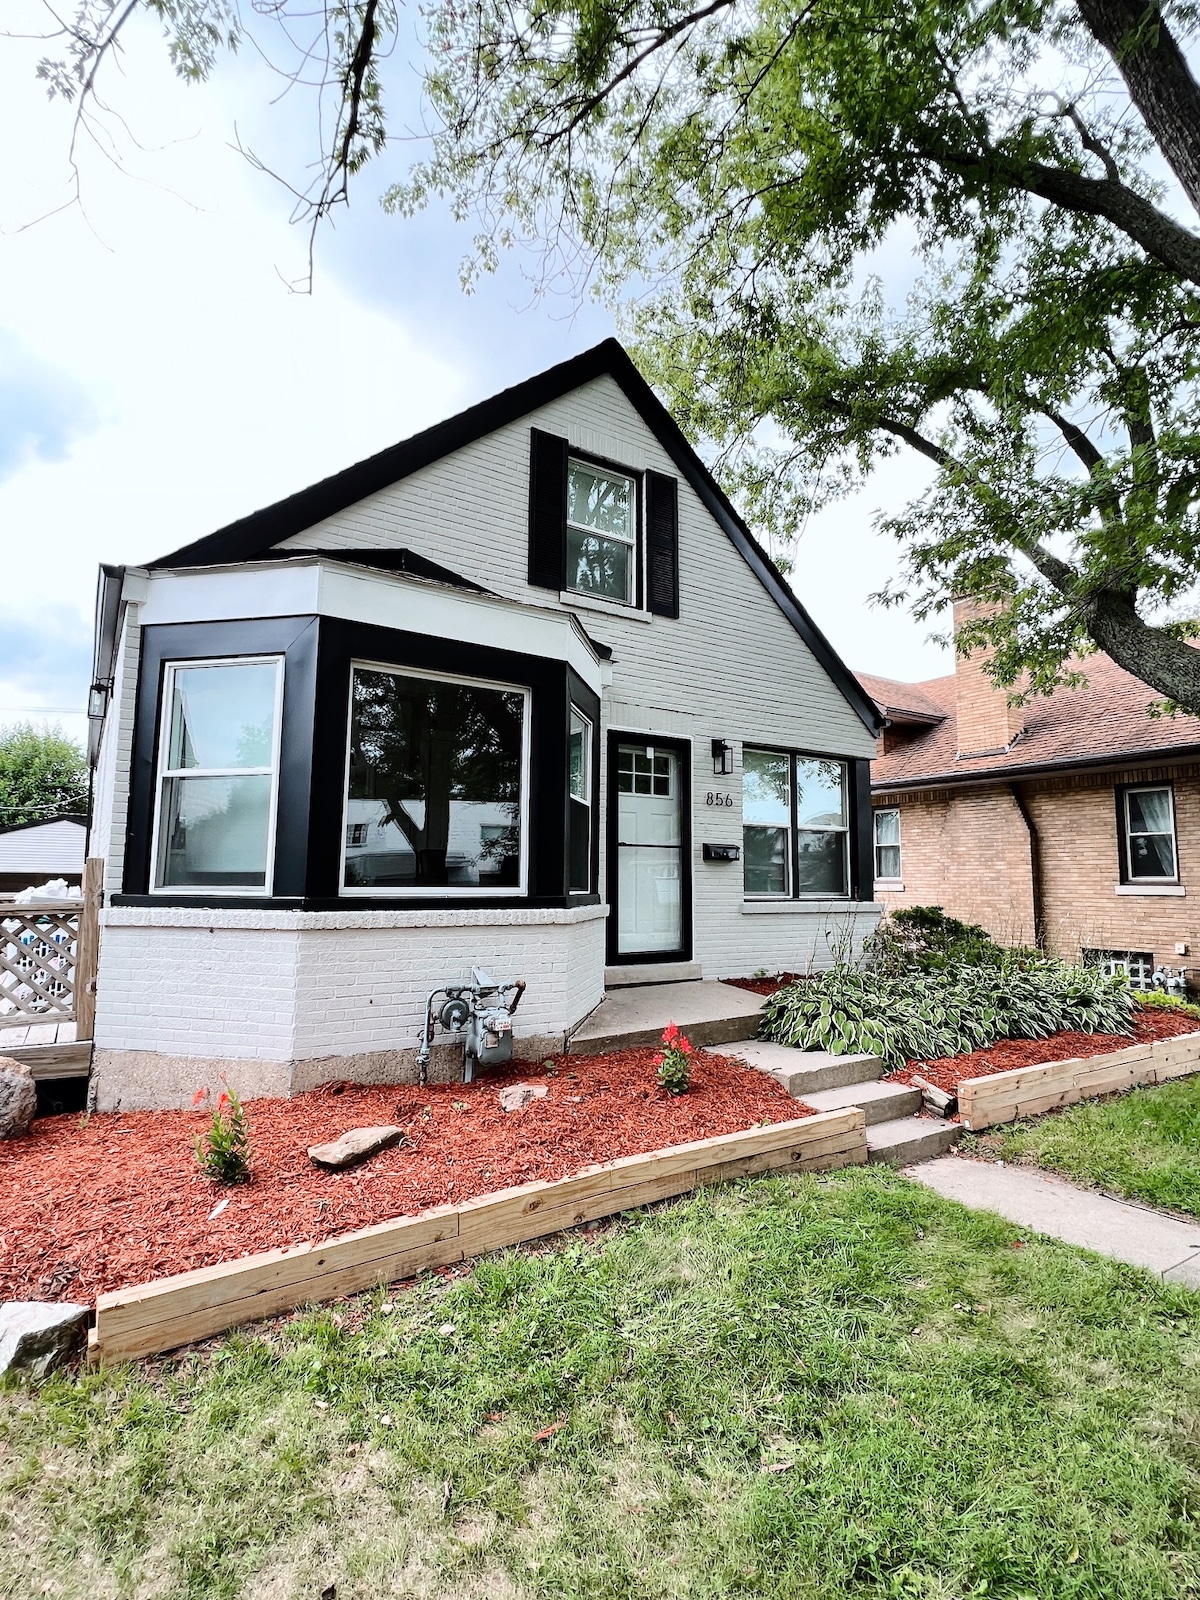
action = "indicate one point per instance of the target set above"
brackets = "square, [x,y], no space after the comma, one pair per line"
[675,1063]
[224,1151]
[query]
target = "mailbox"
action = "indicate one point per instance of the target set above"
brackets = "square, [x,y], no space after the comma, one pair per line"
[722,852]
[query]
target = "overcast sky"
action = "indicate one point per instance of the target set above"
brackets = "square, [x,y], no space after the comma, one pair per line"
[158,378]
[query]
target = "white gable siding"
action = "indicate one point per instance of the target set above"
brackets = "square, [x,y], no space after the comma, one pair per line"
[48,850]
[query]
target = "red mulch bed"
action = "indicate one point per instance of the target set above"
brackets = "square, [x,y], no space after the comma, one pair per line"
[766,986]
[947,1072]
[87,1206]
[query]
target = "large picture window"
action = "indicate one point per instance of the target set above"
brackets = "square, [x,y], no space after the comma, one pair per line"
[1148,824]
[795,825]
[218,760]
[887,844]
[601,532]
[437,783]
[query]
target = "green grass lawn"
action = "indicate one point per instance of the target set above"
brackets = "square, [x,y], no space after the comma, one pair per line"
[1145,1144]
[830,1388]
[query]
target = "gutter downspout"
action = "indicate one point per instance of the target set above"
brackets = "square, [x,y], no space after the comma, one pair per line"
[1035,866]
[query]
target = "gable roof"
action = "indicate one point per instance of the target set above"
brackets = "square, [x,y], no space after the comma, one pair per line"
[1106,722]
[250,538]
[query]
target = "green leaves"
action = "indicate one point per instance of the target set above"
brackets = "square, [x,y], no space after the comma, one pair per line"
[944,1012]
[43,774]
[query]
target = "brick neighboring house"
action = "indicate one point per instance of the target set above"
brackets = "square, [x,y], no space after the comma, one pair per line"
[1073,821]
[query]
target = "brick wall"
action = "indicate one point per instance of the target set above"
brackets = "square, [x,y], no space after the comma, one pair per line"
[968,851]
[985,720]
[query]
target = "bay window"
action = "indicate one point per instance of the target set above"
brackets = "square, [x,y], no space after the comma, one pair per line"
[1147,834]
[795,825]
[214,818]
[438,772]
[601,533]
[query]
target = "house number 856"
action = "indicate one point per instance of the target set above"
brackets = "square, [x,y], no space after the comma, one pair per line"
[712,798]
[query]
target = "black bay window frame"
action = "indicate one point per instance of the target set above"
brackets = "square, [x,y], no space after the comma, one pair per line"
[319,654]
[860,829]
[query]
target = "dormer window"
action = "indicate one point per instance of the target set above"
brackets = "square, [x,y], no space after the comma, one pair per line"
[601,532]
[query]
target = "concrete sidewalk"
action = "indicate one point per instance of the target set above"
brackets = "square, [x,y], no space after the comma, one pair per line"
[1047,1204]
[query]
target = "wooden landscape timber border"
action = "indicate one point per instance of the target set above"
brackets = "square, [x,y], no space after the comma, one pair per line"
[153,1317]
[1028,1091]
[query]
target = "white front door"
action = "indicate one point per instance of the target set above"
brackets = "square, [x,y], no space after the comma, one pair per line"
[649,850]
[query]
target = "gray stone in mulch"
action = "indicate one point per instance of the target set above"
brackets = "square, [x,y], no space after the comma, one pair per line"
[36,1335]
[516,1096]
[1044,1203]
[354,1146]
[18,1098]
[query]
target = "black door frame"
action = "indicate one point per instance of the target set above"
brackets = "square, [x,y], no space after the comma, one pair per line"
[683,750]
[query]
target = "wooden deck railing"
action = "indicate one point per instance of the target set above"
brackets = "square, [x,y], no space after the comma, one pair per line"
[48,959]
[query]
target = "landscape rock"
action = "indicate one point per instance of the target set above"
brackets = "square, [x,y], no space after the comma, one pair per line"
[354,1146]
[18,1098]
[519,1095]
[36,1335]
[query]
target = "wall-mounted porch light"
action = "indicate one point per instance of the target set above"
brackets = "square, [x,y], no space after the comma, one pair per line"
[97,700]
[722,755]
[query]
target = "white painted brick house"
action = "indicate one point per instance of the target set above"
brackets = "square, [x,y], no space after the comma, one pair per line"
[522,692]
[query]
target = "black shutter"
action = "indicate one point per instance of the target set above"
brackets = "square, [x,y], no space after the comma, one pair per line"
[547,510]
[662,545]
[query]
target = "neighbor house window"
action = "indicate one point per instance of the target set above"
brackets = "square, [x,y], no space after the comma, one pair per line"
[214,823]
[1148,828]
[580,802]
[795,827]
[601,532]
[438,774]
[1136,965]
[887,844]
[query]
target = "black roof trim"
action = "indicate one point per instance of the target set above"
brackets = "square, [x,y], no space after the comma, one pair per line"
[409,562]
[250,537]
[44,822]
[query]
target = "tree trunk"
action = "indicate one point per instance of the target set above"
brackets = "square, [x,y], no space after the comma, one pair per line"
[1168,665]
[1161,86]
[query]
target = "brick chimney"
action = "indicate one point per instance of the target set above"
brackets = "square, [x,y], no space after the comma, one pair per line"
[987,723]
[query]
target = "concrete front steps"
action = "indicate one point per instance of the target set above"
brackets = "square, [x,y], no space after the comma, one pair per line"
[896,1133]
[632,1016]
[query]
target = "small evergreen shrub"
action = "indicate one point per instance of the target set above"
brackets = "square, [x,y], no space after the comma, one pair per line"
[925,939]
[945,1012]
[675,1063]
[224,1151]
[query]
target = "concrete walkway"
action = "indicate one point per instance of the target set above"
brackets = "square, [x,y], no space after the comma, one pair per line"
[1044,1203]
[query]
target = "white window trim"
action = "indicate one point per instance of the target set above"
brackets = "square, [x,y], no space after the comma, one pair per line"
[586,798]
[1146,788]
[162,772]
[795,829]
[446,891]
[630,540]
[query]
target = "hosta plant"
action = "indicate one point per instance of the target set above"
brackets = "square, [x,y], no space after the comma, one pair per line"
[946,1012]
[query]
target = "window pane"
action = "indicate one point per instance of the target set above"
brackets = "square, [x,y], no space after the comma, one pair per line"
[598,566]
[887,827]
[223,716]
[580,757]
[600,501]
[821,793]
[435,768]
[1149,810]
[765,786]
[579,847]
[765,860]
[887,861]
[822,863]
[213,832]
[1151,855]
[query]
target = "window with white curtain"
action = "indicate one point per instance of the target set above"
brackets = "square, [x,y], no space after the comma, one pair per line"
[887,843]
[214,824]
[1148,820]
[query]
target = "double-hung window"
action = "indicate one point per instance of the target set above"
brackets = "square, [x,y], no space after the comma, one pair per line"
[1147,819]
[795,825]
[579,843]
[438,774]
[887,844]
[214,825]
[601,532]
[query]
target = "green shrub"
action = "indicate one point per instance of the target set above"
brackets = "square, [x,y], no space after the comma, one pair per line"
[925,939]
[946,1012]
[224,1151]
[1157,1000]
